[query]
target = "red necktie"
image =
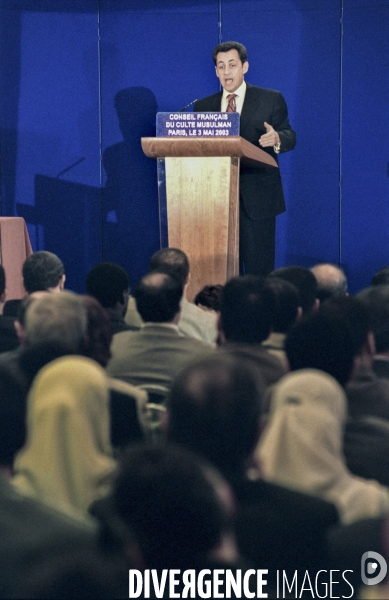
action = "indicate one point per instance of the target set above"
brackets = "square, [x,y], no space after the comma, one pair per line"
[231,107]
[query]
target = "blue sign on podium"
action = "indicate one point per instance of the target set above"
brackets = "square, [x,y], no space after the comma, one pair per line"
[197,124]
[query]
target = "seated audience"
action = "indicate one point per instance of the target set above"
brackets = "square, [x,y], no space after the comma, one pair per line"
[67,460]
[381,277]
[177,508]
[214,409]
[43,271]
[110,285]
[321,342]
[366,393]
[246,315]
[8,338]
[305,282]
[157,352]
[128,419]
[302,446]
[208,298]
[376,299]
[287,312]
[331,281]
[193,322]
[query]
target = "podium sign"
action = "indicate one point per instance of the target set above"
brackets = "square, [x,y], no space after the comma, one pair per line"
[197,124]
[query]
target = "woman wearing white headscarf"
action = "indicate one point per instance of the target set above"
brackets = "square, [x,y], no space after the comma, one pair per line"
[301,447]
[67,460]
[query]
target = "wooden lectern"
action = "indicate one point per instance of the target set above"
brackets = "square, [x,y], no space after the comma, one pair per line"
[198,182]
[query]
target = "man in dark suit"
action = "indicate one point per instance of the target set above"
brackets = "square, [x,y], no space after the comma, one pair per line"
[263,122]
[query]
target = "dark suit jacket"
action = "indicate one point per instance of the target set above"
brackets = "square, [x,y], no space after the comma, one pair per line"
[260,188]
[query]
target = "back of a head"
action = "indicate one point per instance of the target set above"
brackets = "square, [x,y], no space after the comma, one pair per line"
[247,310]
[55,318]
[331,281]
[42,271]
[214,409]
[287,302]
[354,314]
[381,277]
[107,282]
[164,495]
[305,282]
[376,300]
[172,261]
[322,342]
[209,297]
[157,296]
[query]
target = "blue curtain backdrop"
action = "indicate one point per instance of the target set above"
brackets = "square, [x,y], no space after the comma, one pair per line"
[81,83]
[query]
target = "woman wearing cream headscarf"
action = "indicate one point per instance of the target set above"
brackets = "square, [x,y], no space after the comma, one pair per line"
[301,447]
[67,460]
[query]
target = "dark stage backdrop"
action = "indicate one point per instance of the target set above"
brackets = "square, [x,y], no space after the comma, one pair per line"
[81,81]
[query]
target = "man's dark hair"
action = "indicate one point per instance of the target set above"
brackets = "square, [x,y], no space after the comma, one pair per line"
[376,299]
[2,280]
[354,314]
[209,296]
[172,261]
[305,282]
[107,282]
[41,271]
[157,296]
[320,341]
[381,277]
[286,299]
[227,46]
[164,496]
[214,410]
[247,309]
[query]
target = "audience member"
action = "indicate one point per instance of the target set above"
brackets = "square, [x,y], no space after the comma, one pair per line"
[366,393]
[214,409]
[321,342]
[157,352]
[193,322]
[301,446]
[8,338]
[177,507]
[128,420]
[376,299]
[110,285]
[246,315]
[208,298]
[381,277]
[43,271]
[287,312]
[305,282]
[331,281]
[67,460]
[12,420]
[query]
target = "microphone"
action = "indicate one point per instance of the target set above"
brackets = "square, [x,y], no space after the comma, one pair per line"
[71,167]
[188,105]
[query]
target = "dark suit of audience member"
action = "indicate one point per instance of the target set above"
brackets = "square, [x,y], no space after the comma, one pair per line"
[246,315]
[157,352]
[214,409]
[110,285]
